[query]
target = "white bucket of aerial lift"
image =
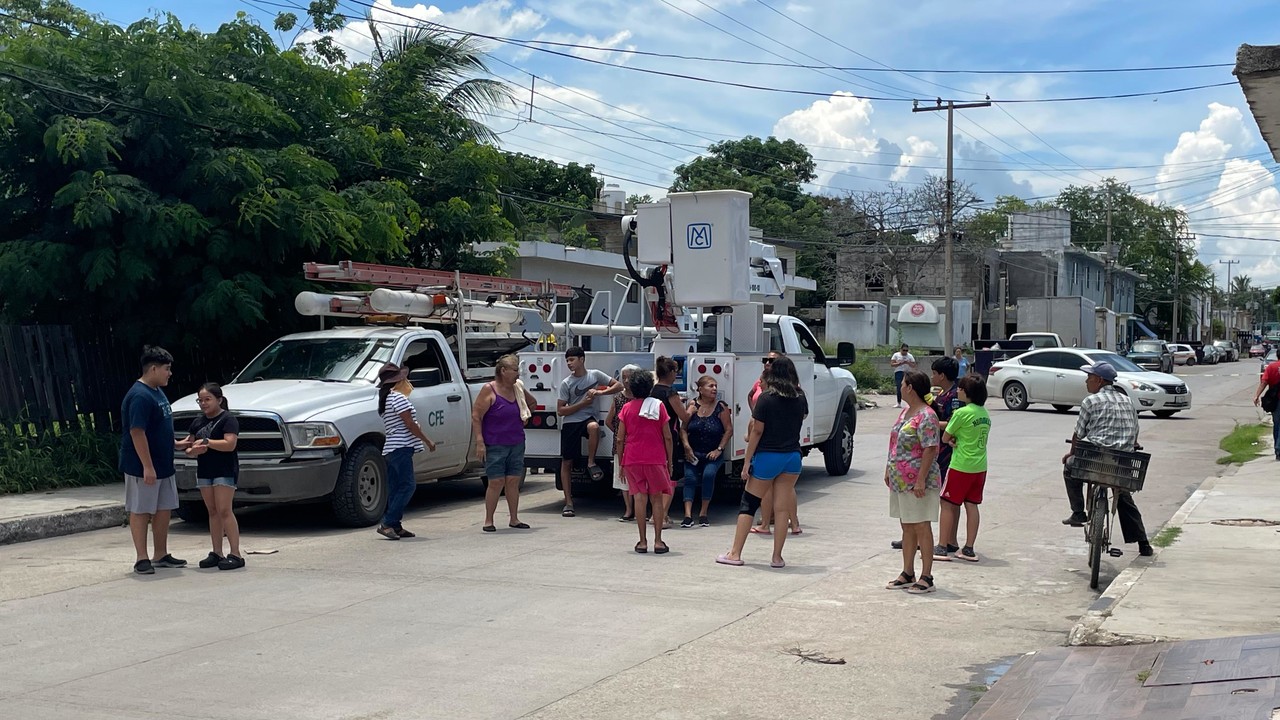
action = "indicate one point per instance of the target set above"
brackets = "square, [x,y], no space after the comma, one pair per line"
[402,302]
[705,238]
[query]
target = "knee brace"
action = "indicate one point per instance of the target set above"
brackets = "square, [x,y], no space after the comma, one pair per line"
[749,505]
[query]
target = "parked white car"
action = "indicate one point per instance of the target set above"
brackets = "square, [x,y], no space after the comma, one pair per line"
[1183,354]
[1053,376]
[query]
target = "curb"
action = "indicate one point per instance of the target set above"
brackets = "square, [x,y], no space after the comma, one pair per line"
[36,527]
[1088,629]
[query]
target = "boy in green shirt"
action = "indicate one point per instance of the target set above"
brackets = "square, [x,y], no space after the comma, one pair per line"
[967,433]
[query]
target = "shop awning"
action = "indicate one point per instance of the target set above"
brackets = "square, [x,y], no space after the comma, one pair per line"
[1146,330]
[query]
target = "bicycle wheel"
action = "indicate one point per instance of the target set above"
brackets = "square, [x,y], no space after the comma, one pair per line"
[1098,512]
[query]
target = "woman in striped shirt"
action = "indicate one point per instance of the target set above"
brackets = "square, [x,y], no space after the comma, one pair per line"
[404,438]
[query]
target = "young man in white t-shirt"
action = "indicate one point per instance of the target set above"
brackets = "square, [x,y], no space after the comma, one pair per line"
[575,408]
[902,363]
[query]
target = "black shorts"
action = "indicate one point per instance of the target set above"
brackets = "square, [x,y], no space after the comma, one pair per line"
[571,435]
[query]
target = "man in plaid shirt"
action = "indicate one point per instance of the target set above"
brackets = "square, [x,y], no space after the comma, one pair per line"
[1107,418]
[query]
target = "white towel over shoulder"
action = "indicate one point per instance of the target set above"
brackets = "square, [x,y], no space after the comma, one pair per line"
[651,409]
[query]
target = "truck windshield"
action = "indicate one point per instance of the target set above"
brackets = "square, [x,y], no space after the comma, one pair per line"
[329,359]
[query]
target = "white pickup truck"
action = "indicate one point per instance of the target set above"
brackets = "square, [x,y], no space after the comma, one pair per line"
[831,390]
[309,426]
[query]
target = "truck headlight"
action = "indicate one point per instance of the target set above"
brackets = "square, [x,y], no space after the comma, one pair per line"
[312,435]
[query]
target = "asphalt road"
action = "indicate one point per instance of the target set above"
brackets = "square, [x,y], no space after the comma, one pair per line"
[564,620]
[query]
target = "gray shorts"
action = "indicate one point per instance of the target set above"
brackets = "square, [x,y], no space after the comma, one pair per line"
[143,499]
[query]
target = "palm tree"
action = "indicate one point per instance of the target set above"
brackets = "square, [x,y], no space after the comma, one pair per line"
[424,82]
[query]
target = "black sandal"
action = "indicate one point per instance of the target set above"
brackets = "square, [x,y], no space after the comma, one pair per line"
[924,586]
[661,550]
[642,547]
[903,580]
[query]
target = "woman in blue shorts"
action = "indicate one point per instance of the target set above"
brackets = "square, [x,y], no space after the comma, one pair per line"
[773,456]
[212,442]
[498,434]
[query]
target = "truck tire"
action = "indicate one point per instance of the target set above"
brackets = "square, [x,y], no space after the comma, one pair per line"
[360,495]
[193,512]
[837,451]
[1015,396]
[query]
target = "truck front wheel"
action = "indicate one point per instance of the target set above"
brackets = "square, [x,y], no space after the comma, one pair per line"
[360,495]
[837,451]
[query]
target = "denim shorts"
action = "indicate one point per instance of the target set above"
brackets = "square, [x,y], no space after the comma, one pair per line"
[769,465]
[504,461]
[210,482]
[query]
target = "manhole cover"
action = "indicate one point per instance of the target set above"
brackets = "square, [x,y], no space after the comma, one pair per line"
[1247,522]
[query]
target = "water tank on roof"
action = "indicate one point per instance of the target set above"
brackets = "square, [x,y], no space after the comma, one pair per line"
[614,198]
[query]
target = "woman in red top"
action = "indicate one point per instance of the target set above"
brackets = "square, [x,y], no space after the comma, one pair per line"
[1269,385]
[645,437]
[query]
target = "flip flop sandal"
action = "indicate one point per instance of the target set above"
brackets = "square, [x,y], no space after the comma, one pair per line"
[489,528]
[797,531]
[567,512]
[760,531]
[519,526]
[779,564]
[642,548]
[726,560]
[595,473]
[661,550]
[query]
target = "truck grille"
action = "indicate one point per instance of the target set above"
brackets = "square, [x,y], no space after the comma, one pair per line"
[1174,389]
[260,435]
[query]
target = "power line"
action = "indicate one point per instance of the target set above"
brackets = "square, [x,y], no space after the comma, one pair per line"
[766,88]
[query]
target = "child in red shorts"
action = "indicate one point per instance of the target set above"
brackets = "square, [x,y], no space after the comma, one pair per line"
[645,437]
[967,433]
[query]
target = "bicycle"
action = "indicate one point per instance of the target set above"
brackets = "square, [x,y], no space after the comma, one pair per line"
[1103,470]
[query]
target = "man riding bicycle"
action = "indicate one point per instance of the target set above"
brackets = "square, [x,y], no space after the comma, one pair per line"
[1107,419]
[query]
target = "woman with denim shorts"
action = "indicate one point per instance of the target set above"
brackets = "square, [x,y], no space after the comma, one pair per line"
[212,442]
[772,461]
[498,433]
[404,437]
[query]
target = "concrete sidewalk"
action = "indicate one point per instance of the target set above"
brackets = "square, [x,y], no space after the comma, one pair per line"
[1219,577]
[32,516]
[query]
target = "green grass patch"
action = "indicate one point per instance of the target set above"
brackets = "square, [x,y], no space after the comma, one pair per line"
[1166,537]
[1242,444]
[1142,676]
[70,456]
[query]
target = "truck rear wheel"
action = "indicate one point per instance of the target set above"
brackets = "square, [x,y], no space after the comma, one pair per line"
[360,495]
[837,451]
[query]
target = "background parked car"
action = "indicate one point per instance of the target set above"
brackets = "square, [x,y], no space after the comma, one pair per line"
[1151,355]
[1183,354]
[1231,353]
[1053,376]
[1269,358]
[1257,350]
[1210,355]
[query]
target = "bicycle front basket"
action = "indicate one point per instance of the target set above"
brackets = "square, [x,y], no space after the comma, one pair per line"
[1119,469]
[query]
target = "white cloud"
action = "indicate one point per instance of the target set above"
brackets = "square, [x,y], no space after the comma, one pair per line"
[616,41]
[489,17]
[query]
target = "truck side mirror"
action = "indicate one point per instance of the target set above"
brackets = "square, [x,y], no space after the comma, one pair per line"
[845,355]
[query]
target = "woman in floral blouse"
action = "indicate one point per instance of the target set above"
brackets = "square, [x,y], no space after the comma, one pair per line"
[912,477]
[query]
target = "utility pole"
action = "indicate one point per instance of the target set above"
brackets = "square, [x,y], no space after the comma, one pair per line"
[949,211]
[1230,307]
[1177,297]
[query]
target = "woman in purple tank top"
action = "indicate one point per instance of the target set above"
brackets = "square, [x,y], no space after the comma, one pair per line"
[498,434]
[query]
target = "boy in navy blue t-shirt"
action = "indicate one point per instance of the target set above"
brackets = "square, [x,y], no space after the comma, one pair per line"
[146,459]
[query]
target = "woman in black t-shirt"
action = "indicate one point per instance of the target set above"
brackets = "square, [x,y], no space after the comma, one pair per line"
[773,456]
[212,442]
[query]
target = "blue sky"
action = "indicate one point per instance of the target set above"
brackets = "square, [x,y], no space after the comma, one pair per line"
[1199,150]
